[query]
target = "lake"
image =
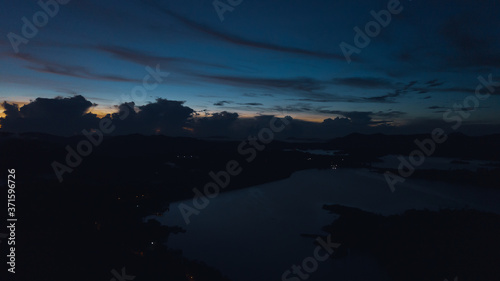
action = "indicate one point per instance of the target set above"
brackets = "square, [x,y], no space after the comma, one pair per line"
[254,233]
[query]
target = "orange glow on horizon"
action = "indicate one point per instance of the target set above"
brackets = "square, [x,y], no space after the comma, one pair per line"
[103,111]
[19,105]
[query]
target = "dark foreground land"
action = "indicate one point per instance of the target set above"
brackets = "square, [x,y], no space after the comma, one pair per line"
[92,222]
[423,245]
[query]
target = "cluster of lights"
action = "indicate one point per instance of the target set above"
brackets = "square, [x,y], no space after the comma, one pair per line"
[137,196]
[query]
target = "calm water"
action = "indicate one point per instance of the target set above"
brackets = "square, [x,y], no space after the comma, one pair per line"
[439,163]
[254,233]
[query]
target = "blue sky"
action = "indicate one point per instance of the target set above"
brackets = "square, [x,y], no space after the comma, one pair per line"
[266,57]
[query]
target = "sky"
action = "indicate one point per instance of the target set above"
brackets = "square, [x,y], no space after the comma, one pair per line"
[254,59]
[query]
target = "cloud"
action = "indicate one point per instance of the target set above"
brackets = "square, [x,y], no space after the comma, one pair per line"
[68,91]
[455,90]
[10,110]
[222,103]
[251,103]
[299,107]
[69,116]
[473,44]
[146,58]
[310,89]
[307,89]
[388,98]
[434,83]
[404,88]
[444,109]
[363,82]
[389,114]
[303,84]
[161,117]
[253,95]
[435,107]
[364,117]
[51,67]
[59,116]
[237,40]
[219,124]
[327,97]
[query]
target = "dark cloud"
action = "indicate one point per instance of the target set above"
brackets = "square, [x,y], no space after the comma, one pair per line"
[147,58]
[237,40]
[365,117]
[312,90]
[455,89]
[436,107]
[303,84]
[474,45]
[359,117]
[161,117]
[434,83]
[390,97]
[328,97]
[11,111]
[222,103]
[355,116]
[68,91]
[389,114]
[251,103]
[69,116]
[59,116]
[443,109]
[363,82]
[52,67]
[409,85]
[299,107]
[253,95]
[217,125]
[431,89]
